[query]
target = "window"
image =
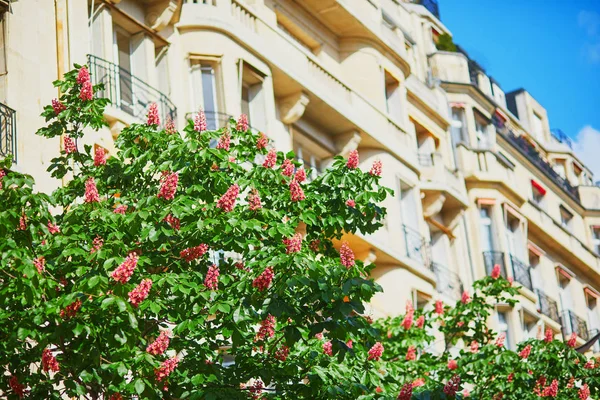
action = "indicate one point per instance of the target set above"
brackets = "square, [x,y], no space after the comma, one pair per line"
[530,326]
[536,272]
[593,311]
[393,101]
[596,239]
[514,236]
[537,193]
[252,97]
[560,168]
[124,61]
[538,127]
[504,327]
[566,298]
[408,206]
[486,228]
[3,69]
[421,300]
[566,218]
[204,92]
[309,152]
[162,71]
[481,132]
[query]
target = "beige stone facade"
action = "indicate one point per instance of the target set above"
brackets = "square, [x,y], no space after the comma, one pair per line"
[479,178]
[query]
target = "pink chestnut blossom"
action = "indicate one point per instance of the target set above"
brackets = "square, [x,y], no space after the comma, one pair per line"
[211,281]
[327,349]
[140,292]
[263,281]
[200,121]
[192,253]
[49,362]
[124,271]
[376,168]
[375,352]
[287,168]
[242,123]
[254,202]
[160,345]
[152,117]
[58,106]
[100,156]
[352,162]
[69,145]
[168,187]
[271,159]
[227,201]
[346,255]
[293,244]
[91,191]
[296,192]
[267,328]
[166,368]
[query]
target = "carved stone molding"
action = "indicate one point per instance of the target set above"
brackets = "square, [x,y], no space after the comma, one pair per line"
[348,142]
[292,107]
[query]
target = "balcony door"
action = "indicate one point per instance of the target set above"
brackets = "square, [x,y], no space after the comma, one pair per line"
[204,93]
[123,56]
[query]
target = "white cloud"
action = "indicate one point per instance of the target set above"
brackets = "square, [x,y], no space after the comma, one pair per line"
[589,21]
[587,147]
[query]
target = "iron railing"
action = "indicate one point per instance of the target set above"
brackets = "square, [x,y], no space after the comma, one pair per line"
[530,152]
[521,272]
[425,159]
[431,5]
[417,248]
[214,119]
[447,282]
[548,306]
[127,92]
[562,137]
[491,258]
[572,323]
[8,131]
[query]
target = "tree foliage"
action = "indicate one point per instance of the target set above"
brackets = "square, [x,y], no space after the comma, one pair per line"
[205,265]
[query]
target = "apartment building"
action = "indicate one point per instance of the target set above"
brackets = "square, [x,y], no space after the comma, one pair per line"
[479,177]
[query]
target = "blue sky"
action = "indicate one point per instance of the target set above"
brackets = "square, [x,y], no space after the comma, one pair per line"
[549,47]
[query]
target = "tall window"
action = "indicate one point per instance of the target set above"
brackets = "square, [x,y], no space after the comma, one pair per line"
[593,318]
[309,152]
[515,237]
[560,168]
[409,206]
[566,298]
[538,127]
[123,49]
[458,130]
[481,131]
[253,98]
[393,100]
[566,218]
[504,327]
[536,270]
[530,326]
[486,228]
[537,193]
[596,239]
[204,92]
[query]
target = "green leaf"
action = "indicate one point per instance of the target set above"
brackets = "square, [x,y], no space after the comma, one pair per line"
[132,320]
[139,386]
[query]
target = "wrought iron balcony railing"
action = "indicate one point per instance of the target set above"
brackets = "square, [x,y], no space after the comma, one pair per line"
[548,306]
[491,258]
[572,323]
[521,272]
[431,5]
[214,119]
[447,282]
[417,248]
[127,92]
[8,132]
[562,137]
[530,152]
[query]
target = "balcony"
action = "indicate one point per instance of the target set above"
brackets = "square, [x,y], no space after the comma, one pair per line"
[437,177]
[492,258]
[450,67]
[571,323]
[417,248]
[521,272]
[530,152]
[127,92]
[8,132]
[447,282]
[548,306]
